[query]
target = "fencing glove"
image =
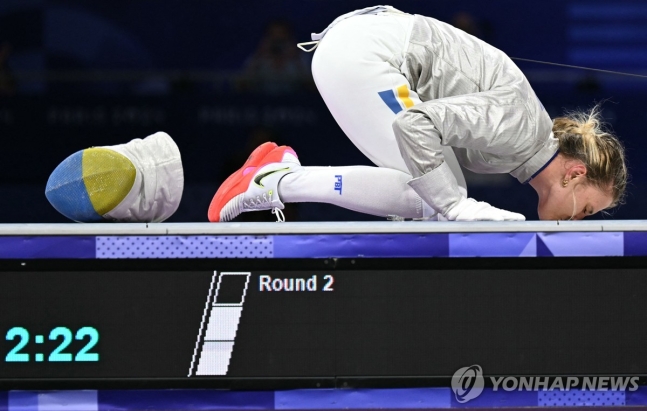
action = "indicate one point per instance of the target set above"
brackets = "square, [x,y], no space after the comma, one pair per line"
[439,189]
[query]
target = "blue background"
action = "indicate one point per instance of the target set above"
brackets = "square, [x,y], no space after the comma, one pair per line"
[86,73]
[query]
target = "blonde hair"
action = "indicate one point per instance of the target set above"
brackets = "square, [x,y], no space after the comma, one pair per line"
[582,136]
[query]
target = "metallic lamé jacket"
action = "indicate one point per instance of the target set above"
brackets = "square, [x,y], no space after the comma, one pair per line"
[475,100]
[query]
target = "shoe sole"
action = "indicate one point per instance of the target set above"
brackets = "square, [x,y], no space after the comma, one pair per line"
[238,182]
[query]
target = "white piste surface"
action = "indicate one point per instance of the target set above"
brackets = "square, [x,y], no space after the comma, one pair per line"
[359,227]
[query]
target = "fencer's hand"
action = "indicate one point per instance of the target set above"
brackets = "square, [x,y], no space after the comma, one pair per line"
[469,209]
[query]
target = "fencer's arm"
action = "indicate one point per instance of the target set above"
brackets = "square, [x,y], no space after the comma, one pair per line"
[494,121]
[419,141]
[483,121]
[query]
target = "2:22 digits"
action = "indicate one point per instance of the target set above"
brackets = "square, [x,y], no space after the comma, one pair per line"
[57,355]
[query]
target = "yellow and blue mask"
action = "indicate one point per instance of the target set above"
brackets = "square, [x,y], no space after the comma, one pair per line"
[139,181]
[90,183]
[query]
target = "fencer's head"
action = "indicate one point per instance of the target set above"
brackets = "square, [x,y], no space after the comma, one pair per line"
[573,197]
[589,175]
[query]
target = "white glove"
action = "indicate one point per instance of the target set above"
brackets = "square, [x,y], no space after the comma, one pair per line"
[439,189]
[469,209]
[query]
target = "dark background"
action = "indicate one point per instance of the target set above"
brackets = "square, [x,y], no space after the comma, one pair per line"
[147,321]
[516,317]
[75,74]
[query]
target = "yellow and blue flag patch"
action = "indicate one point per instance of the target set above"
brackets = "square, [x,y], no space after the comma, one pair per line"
[397,99]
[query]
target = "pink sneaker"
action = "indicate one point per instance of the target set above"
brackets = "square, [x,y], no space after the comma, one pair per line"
[255,186]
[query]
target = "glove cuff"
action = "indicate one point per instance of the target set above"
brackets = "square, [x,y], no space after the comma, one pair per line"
[438,188]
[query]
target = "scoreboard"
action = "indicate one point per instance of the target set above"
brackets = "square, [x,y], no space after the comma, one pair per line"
[314,322]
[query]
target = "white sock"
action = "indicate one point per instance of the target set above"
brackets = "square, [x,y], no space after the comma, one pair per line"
[369,190]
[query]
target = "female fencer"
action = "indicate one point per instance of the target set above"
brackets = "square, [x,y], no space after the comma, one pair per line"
[419,97]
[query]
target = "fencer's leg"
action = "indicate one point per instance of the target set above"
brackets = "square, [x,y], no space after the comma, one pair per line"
[356,70]
[369,190]
[278,177]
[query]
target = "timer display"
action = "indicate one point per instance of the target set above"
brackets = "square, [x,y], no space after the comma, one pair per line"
[211,326]
[63,335]
[100,324]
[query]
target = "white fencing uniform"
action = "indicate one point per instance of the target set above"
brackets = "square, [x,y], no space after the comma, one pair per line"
[356,68]
[444,88]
